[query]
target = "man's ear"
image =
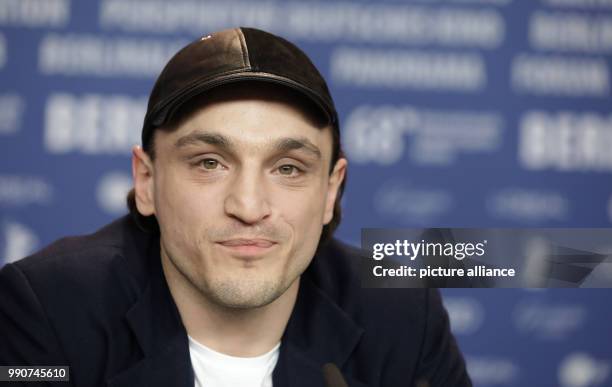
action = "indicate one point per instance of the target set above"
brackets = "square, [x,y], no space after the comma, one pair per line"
[142,173]
[335,180]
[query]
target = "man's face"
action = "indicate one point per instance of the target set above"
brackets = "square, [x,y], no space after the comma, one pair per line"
[241,190]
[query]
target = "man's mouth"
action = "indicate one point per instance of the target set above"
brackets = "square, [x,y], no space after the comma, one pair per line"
[243,246]
[248,242]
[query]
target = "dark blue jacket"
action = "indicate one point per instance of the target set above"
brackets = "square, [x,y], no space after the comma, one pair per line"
[100,304]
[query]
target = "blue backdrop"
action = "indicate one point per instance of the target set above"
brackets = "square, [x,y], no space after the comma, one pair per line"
[464,113]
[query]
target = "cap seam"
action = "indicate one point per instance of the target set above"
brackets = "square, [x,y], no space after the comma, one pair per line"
[245,49]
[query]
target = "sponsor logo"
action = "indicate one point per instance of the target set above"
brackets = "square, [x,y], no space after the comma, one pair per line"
[2,51]
[549,322]
[570,32]
[111,192]
[93,123]
[490,371]
[408,69]
[316,21]
[12,107]
[34,13]
[565,141]
[19,241]
[91,55]
[378,134]
[582,370]
[560,76]
[466,314]
[16,190]
[411,205]
[528,205]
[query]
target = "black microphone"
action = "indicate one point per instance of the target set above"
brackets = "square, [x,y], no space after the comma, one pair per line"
[332,375]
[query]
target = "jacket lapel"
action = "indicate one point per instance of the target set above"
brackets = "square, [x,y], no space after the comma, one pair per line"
[318,332]
[159,331]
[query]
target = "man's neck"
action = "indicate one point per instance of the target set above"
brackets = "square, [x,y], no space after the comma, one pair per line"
[232,331]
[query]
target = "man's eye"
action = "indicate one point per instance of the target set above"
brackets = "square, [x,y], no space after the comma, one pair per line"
[287,170]
[209,163]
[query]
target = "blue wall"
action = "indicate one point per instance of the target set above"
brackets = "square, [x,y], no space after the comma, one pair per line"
[465,113]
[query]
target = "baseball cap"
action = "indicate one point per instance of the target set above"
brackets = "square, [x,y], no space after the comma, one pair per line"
[228,56]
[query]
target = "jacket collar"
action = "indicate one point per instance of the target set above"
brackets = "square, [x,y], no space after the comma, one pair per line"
[155,323]
[318,332]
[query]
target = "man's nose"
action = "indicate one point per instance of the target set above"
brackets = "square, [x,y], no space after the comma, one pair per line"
[246,199]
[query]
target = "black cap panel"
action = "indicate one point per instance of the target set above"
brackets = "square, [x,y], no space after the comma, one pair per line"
[273,54]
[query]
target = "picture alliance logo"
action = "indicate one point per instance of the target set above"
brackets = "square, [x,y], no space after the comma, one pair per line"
[412,250]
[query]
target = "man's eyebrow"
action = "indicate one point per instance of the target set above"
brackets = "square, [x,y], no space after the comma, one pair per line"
[281,146]
[203,137]
[290,143]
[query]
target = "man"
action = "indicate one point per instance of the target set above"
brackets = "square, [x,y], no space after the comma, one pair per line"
[225,274]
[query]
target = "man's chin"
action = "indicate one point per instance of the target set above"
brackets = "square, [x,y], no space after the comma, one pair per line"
[241,295]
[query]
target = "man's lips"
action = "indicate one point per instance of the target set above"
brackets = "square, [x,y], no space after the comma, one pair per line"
[263,243]
[247,247]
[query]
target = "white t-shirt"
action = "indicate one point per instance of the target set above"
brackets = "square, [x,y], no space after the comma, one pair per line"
[214,369]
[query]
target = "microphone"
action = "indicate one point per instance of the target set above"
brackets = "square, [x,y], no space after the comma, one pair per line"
[332,376]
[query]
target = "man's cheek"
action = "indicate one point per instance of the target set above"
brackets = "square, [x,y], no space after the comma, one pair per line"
[307,223]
